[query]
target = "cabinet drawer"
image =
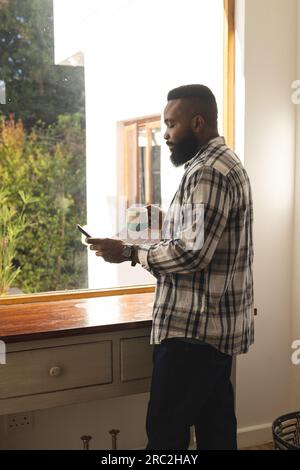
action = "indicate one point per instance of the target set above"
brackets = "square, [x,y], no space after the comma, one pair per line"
[58,368]
[136,358]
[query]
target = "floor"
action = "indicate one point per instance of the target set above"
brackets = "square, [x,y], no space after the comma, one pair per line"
[266,446]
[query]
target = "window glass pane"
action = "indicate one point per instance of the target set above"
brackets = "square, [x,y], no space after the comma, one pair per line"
[42,156]
[141,170]
[156,144]
[72,72]
[156,168]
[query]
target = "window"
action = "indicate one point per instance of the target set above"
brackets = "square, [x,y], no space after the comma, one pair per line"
[42,156]
[87,69]
[141,178]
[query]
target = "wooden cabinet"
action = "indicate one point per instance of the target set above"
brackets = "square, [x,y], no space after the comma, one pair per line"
[54,370]
[42,374]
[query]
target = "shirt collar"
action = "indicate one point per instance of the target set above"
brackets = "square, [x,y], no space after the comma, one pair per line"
[219,140]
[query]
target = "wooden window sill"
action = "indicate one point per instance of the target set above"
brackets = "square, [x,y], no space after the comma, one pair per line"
[31,321]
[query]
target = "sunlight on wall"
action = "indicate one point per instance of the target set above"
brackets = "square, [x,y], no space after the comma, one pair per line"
[135,51]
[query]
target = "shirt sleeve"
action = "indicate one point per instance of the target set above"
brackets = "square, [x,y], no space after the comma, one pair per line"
[205,213]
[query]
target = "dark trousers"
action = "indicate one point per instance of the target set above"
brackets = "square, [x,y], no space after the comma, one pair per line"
[190,386]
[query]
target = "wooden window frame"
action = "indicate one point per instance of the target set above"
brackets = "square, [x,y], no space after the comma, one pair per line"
[131,191]
[229,71]
[228,123]
[131,163]
[148,163]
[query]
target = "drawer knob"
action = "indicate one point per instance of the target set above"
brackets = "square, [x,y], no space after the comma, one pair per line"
[55,371]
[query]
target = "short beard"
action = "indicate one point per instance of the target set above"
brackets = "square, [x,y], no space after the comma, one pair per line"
[185,150]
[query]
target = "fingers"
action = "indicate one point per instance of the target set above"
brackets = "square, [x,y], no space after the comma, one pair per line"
[95,240]
[97,244]
[95,247]
[110,249]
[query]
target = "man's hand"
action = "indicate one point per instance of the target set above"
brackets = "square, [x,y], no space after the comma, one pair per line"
[110,249]
[155,217]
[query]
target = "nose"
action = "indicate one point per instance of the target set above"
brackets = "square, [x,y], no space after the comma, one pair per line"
[166,135]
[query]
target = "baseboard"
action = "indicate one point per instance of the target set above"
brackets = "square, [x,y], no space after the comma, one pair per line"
[247,437]
[254,435]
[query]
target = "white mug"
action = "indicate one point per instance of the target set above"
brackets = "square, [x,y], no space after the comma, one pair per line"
[137,222]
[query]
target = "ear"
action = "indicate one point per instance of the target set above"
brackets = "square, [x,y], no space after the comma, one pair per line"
[197,123]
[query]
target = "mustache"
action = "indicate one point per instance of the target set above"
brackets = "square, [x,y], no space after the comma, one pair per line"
[171,146]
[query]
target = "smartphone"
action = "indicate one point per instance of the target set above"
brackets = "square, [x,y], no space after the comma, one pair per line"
[83,231]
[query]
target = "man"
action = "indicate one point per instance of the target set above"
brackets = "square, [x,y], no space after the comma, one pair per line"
[203,310]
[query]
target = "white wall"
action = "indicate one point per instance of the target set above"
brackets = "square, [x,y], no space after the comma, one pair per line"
[72,19]
[240,79]
[295,383]
[131,62]
[134,53]
[263,375]
[61,428]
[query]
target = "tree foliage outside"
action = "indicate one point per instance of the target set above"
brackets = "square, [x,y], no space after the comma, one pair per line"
[12,224]
[47,167]
[42,154]
[36,88]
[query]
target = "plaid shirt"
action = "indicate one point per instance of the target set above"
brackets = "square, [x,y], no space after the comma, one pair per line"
[205,293]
